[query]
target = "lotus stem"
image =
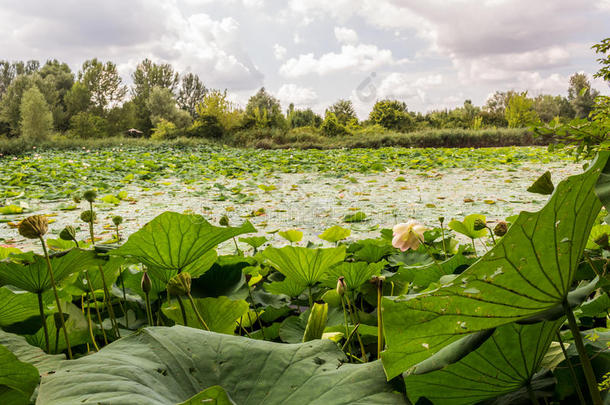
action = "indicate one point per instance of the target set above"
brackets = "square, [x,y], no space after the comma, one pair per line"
[260,323]
[44,322]
[531,394]
[348,335]
[491,232]
[109,302]
[582,353]
[57,301]
[97,308]
[90,324]
[474,248]
[581,397]
[349,338]
[310,297]
[443,239]
[201,321]
[124,308]
[182,310]
[379,317]
[352,310]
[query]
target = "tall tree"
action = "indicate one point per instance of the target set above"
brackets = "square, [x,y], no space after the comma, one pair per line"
[191,92]
[520,111]
[104,84]
[344,111]
[264,110]
[146,76]
[36,118]
[581,95]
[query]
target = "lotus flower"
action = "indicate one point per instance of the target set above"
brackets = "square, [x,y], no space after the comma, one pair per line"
[408,235]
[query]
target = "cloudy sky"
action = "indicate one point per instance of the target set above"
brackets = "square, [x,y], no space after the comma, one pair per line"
[431,54]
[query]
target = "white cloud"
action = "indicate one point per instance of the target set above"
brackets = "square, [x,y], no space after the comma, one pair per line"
[279,52]
[300,96]
[360,57]
[346,35]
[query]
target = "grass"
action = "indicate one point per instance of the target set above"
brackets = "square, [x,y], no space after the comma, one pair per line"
[301,138]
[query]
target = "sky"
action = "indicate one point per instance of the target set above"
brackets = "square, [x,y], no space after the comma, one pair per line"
[431,54]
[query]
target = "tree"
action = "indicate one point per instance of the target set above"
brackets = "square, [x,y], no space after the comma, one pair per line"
[264,111]
[104,84]
[89,126]
[303,118]
[344,111]
[162,106]
[36,118]
[547,107]
[216,104]
[520,111]
[59,76]
[603,48]
[77,99]
[581,95]
[391,114]
[192,91]
[146,76]
[331,125]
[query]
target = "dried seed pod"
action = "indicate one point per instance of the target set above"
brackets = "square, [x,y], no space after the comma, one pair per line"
[224,221]
[479,224]
[68,233]
[179,285]
[501,228]
[34,227]
[117,220]
[88,216]
[90,195]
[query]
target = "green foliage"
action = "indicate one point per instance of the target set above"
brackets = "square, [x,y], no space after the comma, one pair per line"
[104,84]
[18,380]
[191,93]
[303,265]
[392,114]
[332,127]
[88,126]
[344,112]
[216,104]
[36,118]
[263,111]
[303,118]
[520,111]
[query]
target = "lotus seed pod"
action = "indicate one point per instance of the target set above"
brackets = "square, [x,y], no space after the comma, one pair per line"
[479,224]
[88,216]
[341,286]
[501,228]
[34,227]
[224,221]
[146,283]
[117,220]
[602,241]
[68,233]
[90,195]
[441,220]
[179,285]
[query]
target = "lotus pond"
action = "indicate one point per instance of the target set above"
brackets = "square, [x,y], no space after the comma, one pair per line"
[229,276]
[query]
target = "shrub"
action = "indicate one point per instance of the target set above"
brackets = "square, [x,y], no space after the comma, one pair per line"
[332,127]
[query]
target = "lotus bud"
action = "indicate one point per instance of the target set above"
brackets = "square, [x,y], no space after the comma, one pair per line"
[479,224]
[179,285]
[34,227]
[602,241]
[441,220]
[501,228]
[88,216]
[90,195]
[117,220]
[146,283]
[68,233]
[224,221]
[341,286]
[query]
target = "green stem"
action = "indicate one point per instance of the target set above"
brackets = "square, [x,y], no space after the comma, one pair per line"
[310,297]
[443,239]
[201,321]
[582,353]
[260,323]
[54,286]
[97,308]
[379,318]
[348,335]
[349,339]
[531,394]
[350,307]
[581,397]
[474,247]
[44,322]
[236,247]
[493,239]
[90,324]
[108,300]
[182,310]
[124,297]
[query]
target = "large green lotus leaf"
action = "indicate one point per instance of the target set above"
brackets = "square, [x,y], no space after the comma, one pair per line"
[220,314]
[163,366]
[31,272]
[501,365]
[530,270]
[423,276]
[355,273]
[304,265]
[18,380]
[174,241]
[111,270]
[287,287]
[16,306]
[215,395]
[45,363]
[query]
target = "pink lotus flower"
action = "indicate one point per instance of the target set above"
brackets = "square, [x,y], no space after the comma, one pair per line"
[408,235]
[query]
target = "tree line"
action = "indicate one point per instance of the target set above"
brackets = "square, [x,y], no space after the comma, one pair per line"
[37,101]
